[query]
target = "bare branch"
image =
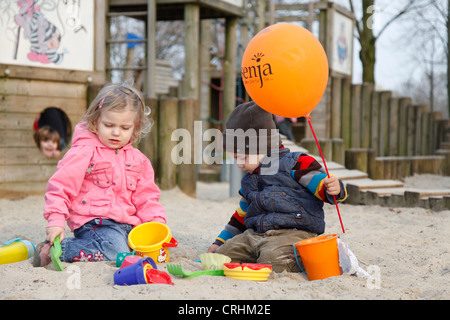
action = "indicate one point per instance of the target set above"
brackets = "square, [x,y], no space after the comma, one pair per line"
[398,15]
[358,27]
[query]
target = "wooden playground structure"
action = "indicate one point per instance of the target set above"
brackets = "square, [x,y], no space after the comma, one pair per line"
[341,120]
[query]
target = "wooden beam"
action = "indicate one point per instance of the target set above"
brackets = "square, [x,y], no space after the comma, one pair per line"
[168,122]
[229,91]
[192,70]
[151,52]
[188,114]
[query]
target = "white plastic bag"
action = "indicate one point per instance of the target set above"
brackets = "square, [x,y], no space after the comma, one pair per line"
[348,261]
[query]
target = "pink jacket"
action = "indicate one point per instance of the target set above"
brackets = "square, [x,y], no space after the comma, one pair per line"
[94,181]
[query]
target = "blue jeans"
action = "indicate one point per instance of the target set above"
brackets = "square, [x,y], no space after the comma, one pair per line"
[98,240]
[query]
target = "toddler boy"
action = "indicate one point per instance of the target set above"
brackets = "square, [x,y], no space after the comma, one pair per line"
[282,193]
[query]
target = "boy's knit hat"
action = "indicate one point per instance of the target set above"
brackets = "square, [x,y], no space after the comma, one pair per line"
[250,130]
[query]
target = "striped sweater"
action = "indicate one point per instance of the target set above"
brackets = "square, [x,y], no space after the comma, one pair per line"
[307,171]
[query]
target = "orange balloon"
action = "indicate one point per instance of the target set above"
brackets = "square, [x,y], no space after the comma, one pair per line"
[285,70]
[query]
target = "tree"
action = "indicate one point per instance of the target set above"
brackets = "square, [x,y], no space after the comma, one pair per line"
[366,36]
[448,56]
[426,36]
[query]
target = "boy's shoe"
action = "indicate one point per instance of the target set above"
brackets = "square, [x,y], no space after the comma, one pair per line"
[42,254]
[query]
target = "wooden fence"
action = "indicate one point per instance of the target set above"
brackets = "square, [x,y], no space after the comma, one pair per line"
[169,114]
[385,136]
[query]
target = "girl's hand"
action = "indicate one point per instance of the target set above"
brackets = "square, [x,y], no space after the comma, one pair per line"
[53,232]
[333,186]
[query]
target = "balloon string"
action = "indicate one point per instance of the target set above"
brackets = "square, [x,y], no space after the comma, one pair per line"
[326,169]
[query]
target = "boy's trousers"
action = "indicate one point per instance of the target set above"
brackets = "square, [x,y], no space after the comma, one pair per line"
[273,247]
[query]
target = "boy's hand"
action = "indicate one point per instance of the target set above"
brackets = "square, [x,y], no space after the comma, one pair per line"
[333,186]
[53,232]
[213,248]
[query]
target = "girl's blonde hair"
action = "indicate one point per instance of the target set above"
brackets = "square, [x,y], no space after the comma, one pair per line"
[119,97]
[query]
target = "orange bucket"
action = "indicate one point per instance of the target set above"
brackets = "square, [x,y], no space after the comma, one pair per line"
[320,256]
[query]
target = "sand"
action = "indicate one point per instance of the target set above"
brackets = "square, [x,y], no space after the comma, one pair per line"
[405,250]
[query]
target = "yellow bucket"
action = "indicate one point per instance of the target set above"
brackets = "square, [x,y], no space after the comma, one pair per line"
[320,256]
[152,239]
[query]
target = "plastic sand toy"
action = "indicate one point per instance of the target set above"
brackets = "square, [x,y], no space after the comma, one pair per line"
[121,256]
[153,240]
[213,261]
[177,269]
[55,253]
[16,250]
[247,271]
[143,271]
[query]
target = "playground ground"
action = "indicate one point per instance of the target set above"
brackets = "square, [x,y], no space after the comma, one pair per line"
[406,251]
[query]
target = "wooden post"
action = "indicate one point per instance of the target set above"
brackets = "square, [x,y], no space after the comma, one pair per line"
[151,52]
[402,126]
[379,169]
[446,166]
[338,150]
[310,145]
[355,116]
[345,113]
[336,102]
[411,129]
[396,167]
[415,165]
[229,89]
[393,126]
[384,123]
[327,148]
[101,52]
[441,127]
[371,163]
[405,167]
[188,114]
[356,158]
[192,70]
[375,123]
[325,145]
[261,12]
[366,111]
[149,144]
[205,58]
[387,167]
[434,120]
[420,110]
[168,119]
[426,137]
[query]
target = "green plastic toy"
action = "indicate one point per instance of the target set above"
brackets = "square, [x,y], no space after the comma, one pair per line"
[177,269]
[55,253]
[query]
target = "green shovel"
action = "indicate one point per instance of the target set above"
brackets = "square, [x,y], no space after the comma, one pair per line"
[55,253]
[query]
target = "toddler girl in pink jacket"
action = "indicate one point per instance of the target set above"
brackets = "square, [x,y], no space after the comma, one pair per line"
[103,186]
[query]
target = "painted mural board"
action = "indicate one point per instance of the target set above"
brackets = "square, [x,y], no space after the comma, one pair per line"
[47,33]
[342,44]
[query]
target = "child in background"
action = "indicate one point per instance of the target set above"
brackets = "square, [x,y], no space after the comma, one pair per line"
[48,141]
[52,130]
[278,208]
[103,186]
[285,127]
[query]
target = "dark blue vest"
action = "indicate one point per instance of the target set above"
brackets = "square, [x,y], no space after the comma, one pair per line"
[277,201]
